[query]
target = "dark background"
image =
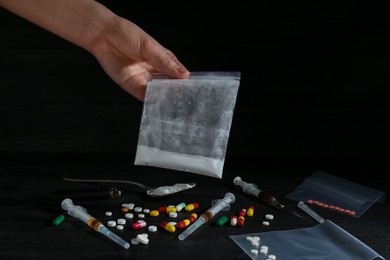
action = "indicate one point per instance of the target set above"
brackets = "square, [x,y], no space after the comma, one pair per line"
[314,81]
[313,92]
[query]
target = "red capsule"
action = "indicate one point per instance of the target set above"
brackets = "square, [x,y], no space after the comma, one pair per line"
[193,217]
[242,213]
[182,224]
[138,225]
[191,206]
[240,221]
[168,227]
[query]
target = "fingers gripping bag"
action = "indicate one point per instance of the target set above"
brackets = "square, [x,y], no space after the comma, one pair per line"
[186,123]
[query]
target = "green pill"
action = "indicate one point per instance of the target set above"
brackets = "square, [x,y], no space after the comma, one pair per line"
[222,221]
[58,220]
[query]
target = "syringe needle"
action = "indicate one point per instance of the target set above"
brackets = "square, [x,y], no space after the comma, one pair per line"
[81,213]
[211,212]
[267,199]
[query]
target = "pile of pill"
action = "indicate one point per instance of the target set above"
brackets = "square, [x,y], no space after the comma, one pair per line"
[135,218]
[259,249]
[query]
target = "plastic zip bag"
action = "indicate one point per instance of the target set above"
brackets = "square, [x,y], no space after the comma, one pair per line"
[186,122]
[336,194]
[326,241]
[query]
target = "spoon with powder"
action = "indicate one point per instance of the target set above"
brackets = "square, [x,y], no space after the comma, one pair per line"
[151,191]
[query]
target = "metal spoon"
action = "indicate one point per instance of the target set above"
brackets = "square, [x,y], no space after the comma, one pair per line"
[151,191]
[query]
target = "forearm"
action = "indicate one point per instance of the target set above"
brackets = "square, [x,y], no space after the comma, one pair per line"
[78,21]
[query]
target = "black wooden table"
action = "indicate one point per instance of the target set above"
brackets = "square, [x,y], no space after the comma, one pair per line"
[31,199]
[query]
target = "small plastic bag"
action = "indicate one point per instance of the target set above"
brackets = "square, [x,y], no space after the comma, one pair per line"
[326,241]
[336,194]
[186,122]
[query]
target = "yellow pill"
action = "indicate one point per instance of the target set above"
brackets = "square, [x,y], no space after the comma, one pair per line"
[250,211]
[168,227]
[154,213]
[171,209]
[191,206]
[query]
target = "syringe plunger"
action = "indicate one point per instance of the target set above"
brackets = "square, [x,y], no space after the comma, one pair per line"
[252,189]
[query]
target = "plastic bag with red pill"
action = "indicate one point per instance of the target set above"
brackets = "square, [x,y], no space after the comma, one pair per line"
[336,194]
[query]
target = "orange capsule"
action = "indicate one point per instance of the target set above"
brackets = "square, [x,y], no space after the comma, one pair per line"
[124,209]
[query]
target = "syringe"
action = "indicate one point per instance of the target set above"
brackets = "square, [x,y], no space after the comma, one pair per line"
[211,212]
[81,213]
[252,189]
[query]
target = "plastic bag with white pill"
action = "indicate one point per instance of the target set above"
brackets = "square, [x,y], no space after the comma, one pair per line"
[186,123]
[325,241]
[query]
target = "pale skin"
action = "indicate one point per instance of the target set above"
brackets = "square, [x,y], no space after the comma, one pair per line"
[127,53]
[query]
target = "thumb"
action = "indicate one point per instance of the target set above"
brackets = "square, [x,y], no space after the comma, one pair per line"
[168,63]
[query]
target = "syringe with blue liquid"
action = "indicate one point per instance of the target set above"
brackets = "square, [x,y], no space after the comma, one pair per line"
[81,213]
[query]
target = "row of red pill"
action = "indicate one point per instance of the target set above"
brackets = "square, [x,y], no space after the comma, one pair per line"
[332,207]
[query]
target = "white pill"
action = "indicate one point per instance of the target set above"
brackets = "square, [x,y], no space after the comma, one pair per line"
[152,228]
[233,221]
[137,209]
[129,215]
[269,216]
[264,248]
[111,223]
[142,221]
[108,213]
[130,206]
[272,257]
[249,238]
[145,234]
[256,239]
[172,214]
[141,215]
[180,206]
[265,223]
[172,223]
[142,239]
[263,251]
[124,205]
[119,227]
[134,241]
[146,211]
[254,251]
[255,243]
[121,221]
